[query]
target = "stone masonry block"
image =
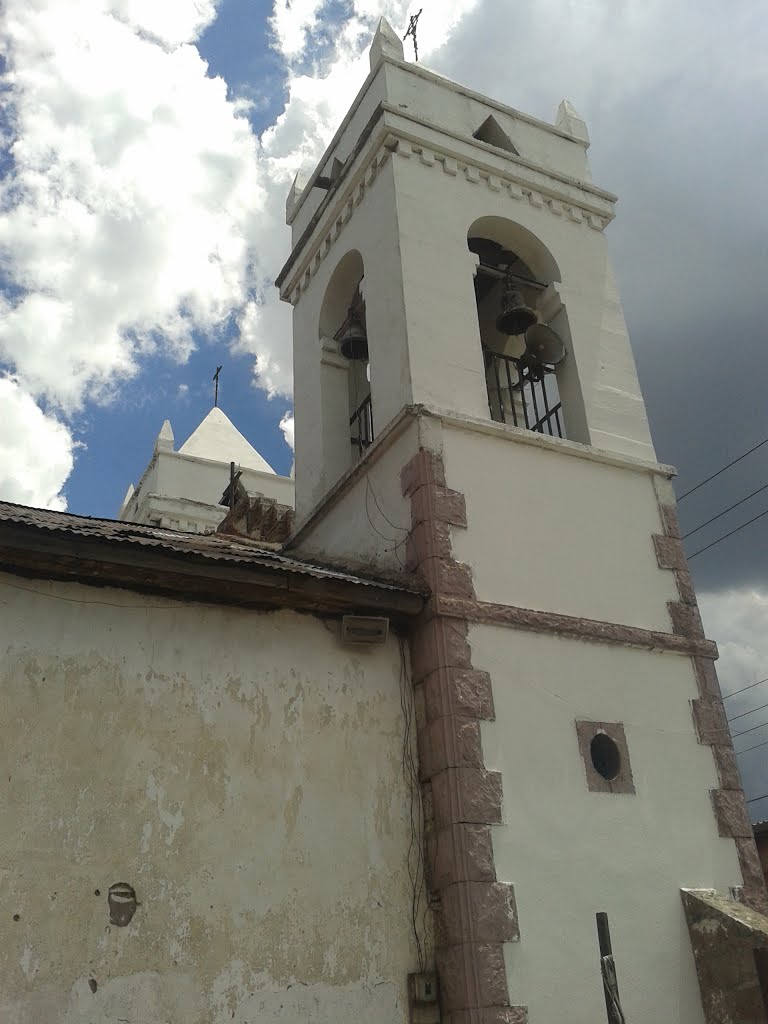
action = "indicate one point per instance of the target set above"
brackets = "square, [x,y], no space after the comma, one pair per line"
[727,766]
[710,721]
[670,521]
[489,1015]
[706,677]
[472,975]
[752,873]
[425,468]
[461,853]
[429,503]
[448,578]
[456,691]
[669,552]
[447,743]
[686,620]
[440,643]
[467,794]
[731,814]
[483,911]
[427,540]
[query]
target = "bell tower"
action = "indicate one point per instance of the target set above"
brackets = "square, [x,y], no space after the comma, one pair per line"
[467,409]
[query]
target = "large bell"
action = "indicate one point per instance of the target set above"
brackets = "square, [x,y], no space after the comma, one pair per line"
[544,345]
[354,340]
[515,317]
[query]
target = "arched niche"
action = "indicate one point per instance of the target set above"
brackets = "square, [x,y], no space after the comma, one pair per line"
[342,292]
[345,383]
[515,394]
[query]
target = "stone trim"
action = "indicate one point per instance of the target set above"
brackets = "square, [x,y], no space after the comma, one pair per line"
[475,912]
[595,630]
[728,801]
[596,783]
[724,936]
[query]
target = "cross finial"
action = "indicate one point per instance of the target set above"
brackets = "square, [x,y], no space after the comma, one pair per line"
[216,387]
[412,24]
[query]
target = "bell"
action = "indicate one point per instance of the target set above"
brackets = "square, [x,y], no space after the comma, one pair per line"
[544,345]
[515,316]
[354,340]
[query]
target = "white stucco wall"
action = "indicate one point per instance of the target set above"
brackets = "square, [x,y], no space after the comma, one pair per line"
[242,771]
[571,853]
[551,530]
[173,479]
[368,521]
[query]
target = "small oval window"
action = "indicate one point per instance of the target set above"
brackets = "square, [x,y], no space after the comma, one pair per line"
[605,755]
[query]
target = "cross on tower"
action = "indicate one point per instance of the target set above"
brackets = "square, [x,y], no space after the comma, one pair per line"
[216,387]
[412,25]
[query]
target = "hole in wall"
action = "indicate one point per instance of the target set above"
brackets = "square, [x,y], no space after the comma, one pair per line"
[606,756]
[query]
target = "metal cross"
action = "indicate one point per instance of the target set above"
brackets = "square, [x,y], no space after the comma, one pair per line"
[216,387]
[412,24]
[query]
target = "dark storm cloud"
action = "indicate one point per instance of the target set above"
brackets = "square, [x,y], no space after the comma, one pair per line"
[675,103]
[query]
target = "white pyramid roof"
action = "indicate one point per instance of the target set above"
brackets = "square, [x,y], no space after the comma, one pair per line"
[218,439]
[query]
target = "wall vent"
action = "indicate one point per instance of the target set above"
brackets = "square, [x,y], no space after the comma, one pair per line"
[364,630]
[490,131]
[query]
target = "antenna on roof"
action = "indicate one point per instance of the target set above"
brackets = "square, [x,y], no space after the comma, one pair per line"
[215,379]
[412,25]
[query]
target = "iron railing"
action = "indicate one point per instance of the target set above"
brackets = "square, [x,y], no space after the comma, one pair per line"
[522,394]
[361,422]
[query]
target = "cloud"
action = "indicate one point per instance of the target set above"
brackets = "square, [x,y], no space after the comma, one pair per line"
[286,425]
[735,619]
[36,451]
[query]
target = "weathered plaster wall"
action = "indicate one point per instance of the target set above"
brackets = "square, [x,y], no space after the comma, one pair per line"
[368,521]
[559,532]
[241,770]
[570,852]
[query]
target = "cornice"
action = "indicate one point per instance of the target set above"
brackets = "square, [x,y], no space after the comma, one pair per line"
[408,137]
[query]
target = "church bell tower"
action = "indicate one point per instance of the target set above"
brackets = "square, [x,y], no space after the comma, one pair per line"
[467,409]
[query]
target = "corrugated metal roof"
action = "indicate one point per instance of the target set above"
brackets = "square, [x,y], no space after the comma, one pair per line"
[217,547]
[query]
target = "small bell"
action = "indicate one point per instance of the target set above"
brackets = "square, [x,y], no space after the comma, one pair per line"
[515,317]
[354,340]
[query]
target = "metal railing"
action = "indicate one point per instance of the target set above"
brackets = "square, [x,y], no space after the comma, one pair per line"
[361,422]
[523,394]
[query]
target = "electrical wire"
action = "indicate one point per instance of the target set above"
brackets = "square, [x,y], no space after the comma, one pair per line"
[725,512]
[745,688]
[744,732]
[728,466]
[727,535]
[745,713]
[747,750]
[755,799]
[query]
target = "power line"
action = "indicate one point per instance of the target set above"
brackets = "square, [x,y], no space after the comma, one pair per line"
[755,799]
[735,735]
[720,514]
[747,750]
[727,535]
[745,688]
[745,713]
[728,466]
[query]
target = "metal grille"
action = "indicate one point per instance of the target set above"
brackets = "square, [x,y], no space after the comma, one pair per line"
[361,423]
[524,398]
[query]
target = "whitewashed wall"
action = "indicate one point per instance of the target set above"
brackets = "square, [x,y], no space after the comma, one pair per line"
[242,771]
[571,853]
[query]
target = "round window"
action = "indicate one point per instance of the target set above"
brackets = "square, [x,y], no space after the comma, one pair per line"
[606,756]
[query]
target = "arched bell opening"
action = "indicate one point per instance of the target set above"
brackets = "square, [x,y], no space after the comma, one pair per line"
[346,380]
[520,349]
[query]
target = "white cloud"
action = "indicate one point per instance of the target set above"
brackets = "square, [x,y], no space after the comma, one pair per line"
[286,425]
[36,451]
[736,620]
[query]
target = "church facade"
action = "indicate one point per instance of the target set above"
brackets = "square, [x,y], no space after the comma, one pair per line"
[444,744]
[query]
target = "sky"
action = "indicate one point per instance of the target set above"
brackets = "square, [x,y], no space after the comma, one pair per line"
[146,150]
